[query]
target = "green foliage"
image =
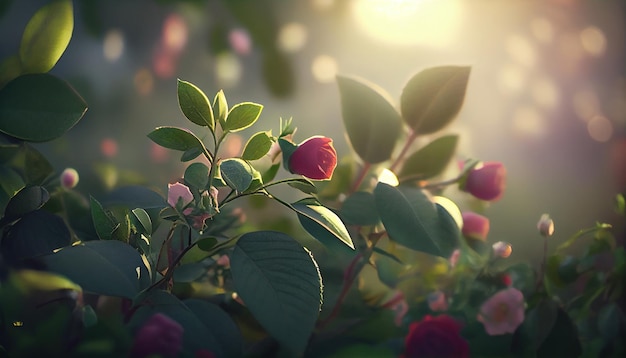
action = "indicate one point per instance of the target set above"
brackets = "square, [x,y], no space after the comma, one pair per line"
[220,108]
[324,218]
[360,209]
[372,123]
[257,146]
[195,105]
[24,201]
[430,160]
[242,116]
[177,139]
[39,107]
[236,173]
[433,97]
[280,283]
[197,175]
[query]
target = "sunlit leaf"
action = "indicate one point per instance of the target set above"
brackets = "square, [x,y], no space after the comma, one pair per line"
[257,146]
[220,108]
[46,36]
[280,283]
[430,160]
[433,97]
[39,107]
[242,116]
[236,173]
[372,123]
[176,138]
[324,218]
[195,105]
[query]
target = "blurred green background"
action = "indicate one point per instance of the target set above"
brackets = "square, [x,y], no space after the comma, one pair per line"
[547,92]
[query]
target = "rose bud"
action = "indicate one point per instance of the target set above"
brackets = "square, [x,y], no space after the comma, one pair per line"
[475,226]
[159,335]
[314,158]
[545,225]
[486,181]
[176,191]
[502,249]
[69,178]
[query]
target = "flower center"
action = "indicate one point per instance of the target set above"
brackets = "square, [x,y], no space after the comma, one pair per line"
[500,312]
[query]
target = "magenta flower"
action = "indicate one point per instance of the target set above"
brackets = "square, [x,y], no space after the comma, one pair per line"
[159,335]
[435,337]
[314,158]
[475,226]
[176,191]
[486,181]
[69,178]
[503,312]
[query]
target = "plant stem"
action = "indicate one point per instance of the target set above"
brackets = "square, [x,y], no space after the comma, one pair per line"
[407,145]
[359,179]
[349,275]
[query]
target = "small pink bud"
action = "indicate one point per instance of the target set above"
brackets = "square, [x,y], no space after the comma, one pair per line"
[69,178]
[545,225]
[475,226]
[159,335]
[223,260]
[454,258]
[486,181]
[502,249]
[506,280]
[314,158]
[178,190]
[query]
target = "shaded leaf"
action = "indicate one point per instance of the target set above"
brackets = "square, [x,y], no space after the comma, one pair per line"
[303,184]
[105,267]
[563,340]
[280,283]
[197,175]
[360,209]
[257,146]
[372,123]
[104,223]
[143,219]
[46,36]
[26,200]
[430,160]
[36,167]
[242,116]
[176,138]
[236,173]
[433,97]
[195,105]
[39,107]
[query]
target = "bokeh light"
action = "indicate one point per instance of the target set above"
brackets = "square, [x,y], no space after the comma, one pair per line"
[174,33]
[586,104]
[593,41]
[143,81]
[292,37]
[433,23]
[600,128]
[542,30]
[113,45]
[108,147]
[544,92]
[528,122]
[240,42]
[227,69]
[521,50]
[324,68]
[512,78]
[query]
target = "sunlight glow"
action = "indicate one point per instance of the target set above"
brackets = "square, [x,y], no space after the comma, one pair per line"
[324,68]
[544,92]
[228,69]
[528,122]
[521,50]
[292,37]
[512,77]
[586,104]
[113,45]
[542,30]
[600,129]
[593,41]
[388,177]
[433,23]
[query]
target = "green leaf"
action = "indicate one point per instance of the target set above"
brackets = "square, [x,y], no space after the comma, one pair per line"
[104,267]
[103,221]
[10,68]
[143,219]
[324,218]
[221,326]
[432,98]
[540,321]
[197,175]
[242,116]
[563,340]
[90,317]
[195,105]
[236,173]
[610,319]
[26,200]
[177,139]
[39,107]
[135,196]
[10,181]
[303,184]
[36,167]
[372,123]
[190,154]
[360,209]
[412,220]
[287,148]
[220,108]
[46,36]
[280,283]
[36,233]
[269,175]
[430,160]
[257,146]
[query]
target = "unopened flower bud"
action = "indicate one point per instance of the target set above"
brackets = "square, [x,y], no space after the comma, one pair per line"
[69,178]
[502,249]
[314,158]
[545,225]
[486,181]
[475,226]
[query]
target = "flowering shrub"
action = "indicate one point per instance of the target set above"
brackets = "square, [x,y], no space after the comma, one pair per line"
[382,263]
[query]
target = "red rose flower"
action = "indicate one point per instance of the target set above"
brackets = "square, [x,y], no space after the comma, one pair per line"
[435,337]
[314,158]
[486,181]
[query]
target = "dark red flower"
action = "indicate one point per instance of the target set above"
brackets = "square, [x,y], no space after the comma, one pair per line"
[158,335]
[314,158]
[486,181]
[435,337]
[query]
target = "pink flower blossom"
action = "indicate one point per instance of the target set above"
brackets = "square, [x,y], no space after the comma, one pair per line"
[314,158]
[159,335]
[503,312]
[176,191]
[475,226]
[486,181]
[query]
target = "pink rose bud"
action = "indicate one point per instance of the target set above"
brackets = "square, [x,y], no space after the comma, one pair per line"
[159,335]
[314,158]
[486,181]
[454,258]
[176,191]
[502,249]
[545,225]
[475,226]
[69,178]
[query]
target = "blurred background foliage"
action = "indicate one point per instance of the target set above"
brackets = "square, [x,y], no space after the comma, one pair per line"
[547,93]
